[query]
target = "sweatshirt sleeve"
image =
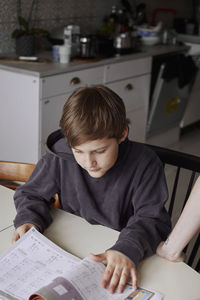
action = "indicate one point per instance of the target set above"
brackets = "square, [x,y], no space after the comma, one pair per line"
[32,199]
[149,223]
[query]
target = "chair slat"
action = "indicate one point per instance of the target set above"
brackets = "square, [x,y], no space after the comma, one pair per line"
[189,189]
[174,192]
[194,251]
[197,268]
[14,171]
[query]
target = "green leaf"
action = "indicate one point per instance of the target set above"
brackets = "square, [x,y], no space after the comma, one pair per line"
[17,33]
[23,23]
[38,31]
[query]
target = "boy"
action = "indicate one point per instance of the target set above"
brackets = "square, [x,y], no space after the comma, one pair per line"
[103,177]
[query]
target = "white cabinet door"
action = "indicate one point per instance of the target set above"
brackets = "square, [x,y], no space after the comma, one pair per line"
[135,94]
[19,117]
[51,111]
[137,127]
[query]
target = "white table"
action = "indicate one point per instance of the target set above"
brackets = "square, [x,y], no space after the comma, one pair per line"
[176,281]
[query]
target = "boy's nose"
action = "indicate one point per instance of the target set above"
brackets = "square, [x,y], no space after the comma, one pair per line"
[90,162]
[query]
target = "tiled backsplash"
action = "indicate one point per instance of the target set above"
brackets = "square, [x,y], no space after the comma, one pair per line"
[51,14]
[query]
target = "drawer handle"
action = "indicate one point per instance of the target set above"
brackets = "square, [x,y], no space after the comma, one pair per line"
[75,81]
[129,87]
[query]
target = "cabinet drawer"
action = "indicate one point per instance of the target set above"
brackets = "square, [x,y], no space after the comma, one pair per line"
[63,83]
[133,91]
[127,69]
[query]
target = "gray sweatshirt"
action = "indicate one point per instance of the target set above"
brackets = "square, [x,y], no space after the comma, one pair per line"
[129,197]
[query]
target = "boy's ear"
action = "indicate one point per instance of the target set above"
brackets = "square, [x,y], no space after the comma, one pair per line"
[124,135]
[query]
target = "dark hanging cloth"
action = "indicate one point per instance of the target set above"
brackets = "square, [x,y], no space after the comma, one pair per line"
[182,67]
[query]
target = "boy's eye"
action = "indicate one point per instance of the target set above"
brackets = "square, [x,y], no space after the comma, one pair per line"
[77,151]
[100,151]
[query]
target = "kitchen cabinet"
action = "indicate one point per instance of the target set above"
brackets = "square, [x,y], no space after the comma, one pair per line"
[31,109]
[131,81]
[31,105]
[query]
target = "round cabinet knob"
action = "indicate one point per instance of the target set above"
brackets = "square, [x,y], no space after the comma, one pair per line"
[75,81]
[129,87]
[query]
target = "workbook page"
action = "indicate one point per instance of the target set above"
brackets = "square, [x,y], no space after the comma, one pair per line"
[83,283]
[31,263]
[86,279]
[35,268]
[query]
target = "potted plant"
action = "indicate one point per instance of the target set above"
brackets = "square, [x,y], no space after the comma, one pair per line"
[25,34]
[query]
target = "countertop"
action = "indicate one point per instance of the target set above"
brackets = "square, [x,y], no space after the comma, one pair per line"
[49,68]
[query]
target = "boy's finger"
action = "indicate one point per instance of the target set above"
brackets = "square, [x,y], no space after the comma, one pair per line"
[107,276]
[123,280]
[15,237]
[133,278]
[114,281]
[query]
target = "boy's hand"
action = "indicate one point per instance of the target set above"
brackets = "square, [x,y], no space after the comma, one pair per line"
[21,230]
[119,270]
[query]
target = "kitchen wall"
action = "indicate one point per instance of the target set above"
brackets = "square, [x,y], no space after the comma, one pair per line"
[182,7]
[50,14]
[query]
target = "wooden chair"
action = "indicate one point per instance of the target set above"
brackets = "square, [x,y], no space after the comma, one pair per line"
[14,173]
[186,168]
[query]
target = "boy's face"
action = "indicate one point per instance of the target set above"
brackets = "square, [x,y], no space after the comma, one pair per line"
[97,156]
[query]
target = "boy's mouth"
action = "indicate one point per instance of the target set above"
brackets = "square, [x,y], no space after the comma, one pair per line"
[93,170]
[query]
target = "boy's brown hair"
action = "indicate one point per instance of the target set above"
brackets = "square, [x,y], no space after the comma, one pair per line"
[93,113]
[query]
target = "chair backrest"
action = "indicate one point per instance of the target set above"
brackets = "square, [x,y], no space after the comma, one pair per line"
[184,169]
[14,173]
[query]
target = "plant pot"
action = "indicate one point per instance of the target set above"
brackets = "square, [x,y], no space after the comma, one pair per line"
[25,45]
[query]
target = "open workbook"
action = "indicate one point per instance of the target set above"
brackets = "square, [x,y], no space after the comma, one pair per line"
[36,268]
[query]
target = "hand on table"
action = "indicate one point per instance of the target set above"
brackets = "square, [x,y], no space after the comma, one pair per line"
[119,270]
[21,230]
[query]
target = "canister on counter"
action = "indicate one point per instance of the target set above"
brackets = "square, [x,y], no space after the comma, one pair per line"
[56,53]
[65,54]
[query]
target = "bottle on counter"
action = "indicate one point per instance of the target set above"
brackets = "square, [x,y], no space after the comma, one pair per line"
[65,50]
[165,37]
[72,38]
[123,22]
[68,35]
[113,18]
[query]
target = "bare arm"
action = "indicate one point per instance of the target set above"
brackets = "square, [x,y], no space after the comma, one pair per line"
[186,227]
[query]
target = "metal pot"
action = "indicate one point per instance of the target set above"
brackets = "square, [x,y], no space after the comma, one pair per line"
[88,46]
[124,42]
